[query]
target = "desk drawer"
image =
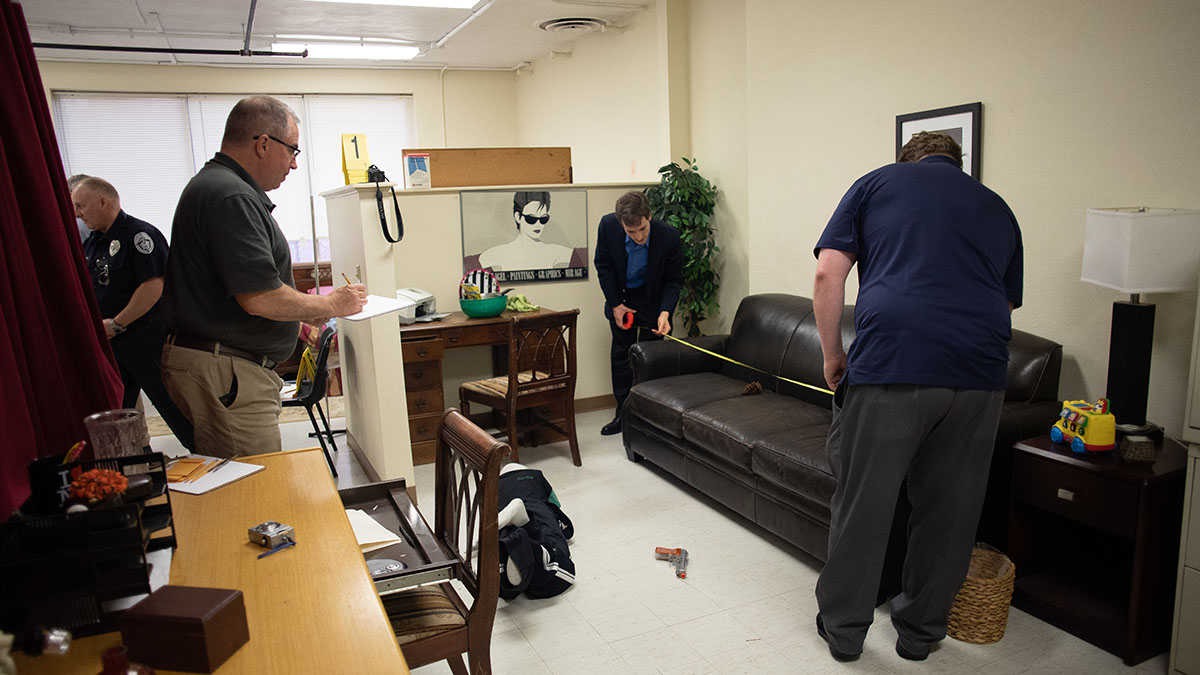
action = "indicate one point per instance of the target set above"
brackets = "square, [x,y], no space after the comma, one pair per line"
[1075,493]
[423,427]
[424,452]
[465,336]
[420,375]
[425,401]
[421,350]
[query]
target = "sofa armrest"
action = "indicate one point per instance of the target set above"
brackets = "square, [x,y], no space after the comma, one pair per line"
[655,359]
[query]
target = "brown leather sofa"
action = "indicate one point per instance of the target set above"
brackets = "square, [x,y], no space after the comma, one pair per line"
[764,455]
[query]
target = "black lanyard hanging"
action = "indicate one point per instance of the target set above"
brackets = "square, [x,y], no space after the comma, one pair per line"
[376,175]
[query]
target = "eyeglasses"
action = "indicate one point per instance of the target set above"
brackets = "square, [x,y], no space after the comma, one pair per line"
[534,219]
[295,150]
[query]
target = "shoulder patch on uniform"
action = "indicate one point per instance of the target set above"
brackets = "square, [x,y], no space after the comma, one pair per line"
[113,247]
[143,243]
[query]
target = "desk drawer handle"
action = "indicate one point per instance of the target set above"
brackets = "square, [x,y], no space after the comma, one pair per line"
[1066,495]
[418,375]
[454,338]
[422,352]
[421,403]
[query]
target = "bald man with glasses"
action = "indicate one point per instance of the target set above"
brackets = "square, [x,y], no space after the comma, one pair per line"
[229,301]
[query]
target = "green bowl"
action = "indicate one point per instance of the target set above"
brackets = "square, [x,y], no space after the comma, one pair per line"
[484,307]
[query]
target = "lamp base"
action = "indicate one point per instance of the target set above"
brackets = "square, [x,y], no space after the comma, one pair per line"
[1148,429]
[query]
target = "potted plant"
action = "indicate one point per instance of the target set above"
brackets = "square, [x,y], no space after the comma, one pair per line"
[685,200]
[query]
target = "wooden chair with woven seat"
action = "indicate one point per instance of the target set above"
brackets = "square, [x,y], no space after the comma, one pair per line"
[432,622]
[540,372]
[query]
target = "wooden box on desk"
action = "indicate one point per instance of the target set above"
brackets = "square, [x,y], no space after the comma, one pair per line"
[186,628]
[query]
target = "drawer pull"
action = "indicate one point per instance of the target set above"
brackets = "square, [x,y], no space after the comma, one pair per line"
[421,404]
[1066,495]
[422,352]
[454,338]
[418,375]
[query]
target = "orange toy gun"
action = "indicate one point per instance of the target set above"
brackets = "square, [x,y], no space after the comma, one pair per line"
[676,556]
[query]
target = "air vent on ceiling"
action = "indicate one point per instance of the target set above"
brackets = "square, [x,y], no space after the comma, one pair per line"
[573,24]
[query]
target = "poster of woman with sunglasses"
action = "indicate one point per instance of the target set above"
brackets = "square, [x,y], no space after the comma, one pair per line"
[520,241]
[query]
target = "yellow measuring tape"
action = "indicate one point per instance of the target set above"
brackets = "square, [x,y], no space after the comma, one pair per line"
[757,370]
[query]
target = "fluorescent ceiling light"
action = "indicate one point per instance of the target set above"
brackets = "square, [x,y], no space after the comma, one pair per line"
[370,52]
[441,4]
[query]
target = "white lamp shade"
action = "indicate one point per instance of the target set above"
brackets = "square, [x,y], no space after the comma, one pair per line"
[1142,250]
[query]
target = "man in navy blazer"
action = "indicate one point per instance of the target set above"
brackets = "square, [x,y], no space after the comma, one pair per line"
[639,262]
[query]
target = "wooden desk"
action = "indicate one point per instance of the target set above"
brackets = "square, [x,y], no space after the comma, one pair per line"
[311,608]
[424,345]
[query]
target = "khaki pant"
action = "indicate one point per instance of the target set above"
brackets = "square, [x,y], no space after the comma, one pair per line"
[232,403]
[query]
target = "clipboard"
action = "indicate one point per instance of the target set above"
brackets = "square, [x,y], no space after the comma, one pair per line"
[378,305]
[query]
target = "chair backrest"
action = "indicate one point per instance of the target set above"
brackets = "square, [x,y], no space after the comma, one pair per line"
[312,391]
[465,522]
[541,352]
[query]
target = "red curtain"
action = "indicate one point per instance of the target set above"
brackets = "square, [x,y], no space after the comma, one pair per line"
[56,364]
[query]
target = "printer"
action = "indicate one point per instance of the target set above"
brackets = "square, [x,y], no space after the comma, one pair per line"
[422,306]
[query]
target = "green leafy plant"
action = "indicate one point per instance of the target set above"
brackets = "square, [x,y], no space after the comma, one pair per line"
[685,200]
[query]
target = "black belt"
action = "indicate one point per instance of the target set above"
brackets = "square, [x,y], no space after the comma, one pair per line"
[218,348]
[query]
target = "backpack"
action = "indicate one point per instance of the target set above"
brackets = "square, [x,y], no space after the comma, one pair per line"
[534,557]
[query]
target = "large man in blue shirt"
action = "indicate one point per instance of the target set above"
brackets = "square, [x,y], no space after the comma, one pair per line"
[639,262]
[919,395]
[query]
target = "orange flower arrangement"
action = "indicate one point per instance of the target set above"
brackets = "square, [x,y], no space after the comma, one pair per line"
[97,484]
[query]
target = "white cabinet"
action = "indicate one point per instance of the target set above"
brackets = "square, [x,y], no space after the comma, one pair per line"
[1185,652]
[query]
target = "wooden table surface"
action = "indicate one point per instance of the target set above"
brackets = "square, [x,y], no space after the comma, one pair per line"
[310,608]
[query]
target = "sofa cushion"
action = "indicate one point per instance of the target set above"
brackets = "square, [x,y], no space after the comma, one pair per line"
[796,461]
[662,402]
[728,428]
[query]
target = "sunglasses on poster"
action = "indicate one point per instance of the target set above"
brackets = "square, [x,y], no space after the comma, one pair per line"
[535,219]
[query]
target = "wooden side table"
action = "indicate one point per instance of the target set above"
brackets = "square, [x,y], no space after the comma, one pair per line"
[1096,543]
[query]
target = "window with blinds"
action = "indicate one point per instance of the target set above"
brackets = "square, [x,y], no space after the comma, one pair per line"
[149,146]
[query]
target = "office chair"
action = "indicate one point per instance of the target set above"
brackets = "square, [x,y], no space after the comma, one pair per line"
[309,393]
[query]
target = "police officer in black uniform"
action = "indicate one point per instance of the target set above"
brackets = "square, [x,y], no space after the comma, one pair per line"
[127,258]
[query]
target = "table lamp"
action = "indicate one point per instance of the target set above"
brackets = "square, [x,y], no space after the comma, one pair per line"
[1137,250]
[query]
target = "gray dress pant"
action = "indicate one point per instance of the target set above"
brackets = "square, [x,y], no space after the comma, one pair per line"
[941,441]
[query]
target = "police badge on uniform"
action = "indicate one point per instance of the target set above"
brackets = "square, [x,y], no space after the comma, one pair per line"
[113,247]
[143,243]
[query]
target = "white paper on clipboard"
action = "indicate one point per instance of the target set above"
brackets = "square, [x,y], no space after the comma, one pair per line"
[378,305]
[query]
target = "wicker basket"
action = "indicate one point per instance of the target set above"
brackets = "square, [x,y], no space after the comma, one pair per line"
[980,611]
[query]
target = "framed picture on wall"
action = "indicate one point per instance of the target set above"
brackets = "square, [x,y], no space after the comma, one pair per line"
[964,123]
[539,235]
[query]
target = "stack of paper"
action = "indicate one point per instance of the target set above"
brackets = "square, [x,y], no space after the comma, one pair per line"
[370,534]
[198,474]
[188,469]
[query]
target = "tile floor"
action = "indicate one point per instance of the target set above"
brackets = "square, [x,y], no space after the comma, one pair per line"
[747,605]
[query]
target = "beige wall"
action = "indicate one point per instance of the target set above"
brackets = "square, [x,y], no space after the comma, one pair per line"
[1086,103]
[603,101]
[717,31]
[467,123]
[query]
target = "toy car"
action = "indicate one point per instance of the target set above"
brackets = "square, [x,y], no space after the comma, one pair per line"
[1087,427]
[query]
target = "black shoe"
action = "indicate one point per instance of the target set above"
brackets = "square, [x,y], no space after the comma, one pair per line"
[911,655]
[838,656]
[613,427]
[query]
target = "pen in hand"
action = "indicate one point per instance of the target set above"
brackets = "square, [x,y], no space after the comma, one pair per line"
[346,278]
